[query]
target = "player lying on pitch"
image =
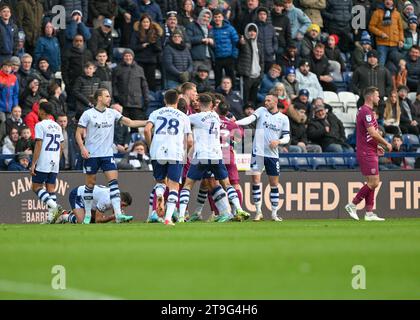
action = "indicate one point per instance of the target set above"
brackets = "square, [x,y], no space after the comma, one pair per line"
[100,204]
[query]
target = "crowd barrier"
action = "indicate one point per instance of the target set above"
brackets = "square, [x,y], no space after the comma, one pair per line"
[303,195]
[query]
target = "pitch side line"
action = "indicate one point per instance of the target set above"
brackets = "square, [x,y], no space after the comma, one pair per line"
[38,289]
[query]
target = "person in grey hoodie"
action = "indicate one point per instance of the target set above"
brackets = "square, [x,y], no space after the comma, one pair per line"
[250,63]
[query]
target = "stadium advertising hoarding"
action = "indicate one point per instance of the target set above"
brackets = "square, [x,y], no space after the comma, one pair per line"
[303,195]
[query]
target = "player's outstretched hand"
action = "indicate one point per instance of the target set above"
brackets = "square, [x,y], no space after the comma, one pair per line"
[389,147]
[32,171]
[85,153]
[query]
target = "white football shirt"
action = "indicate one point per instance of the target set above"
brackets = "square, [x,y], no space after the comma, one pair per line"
[269,127]
[170,128]
[51,135]
[100,131]
[206,131]
[101,197]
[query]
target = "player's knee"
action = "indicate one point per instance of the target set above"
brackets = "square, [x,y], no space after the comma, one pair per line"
[373,184]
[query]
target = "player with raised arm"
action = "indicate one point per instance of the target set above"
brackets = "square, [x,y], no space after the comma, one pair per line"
[208,158]
[101,203]
[272,130]
[98,125]
[46,160]
[369,144]
[168,145]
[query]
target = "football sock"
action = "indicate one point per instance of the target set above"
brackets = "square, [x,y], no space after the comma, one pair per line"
[45,197]
[171,204]
[201,200]
[184,198]
[88,200]
[362,194]
[274,200]
[256,196]
[115,197]
[233,198]
[370,200]
[220,199]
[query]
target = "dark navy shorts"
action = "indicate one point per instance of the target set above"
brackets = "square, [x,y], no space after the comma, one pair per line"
[41,177]
[92,165]
[169,169]
[271,165]
[202,170]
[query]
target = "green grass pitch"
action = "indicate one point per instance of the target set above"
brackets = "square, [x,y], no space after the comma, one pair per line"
[295,259]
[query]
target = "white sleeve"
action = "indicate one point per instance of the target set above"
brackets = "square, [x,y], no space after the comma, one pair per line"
[152,118]
[39,131]
[285,133]
[248,120]
[84,120]
[103,196]
[117,115]
[192,119]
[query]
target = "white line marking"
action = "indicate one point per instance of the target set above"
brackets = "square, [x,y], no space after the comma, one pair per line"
[43,290]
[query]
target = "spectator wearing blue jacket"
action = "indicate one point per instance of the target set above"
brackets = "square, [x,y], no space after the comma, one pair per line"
[299,21]
[8,34]
[21,163]
[226,51]
[151,8]
[268,82]
[47,46]
[267,36]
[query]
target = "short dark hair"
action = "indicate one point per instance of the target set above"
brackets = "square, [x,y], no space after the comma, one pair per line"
[319,45]
[126,197]
[223,108]
[397,136]
[171,96]
[205,100]
[417,47]
[217,11]
[220,97]
[47,107]
[61,114]
[369,91]
[101,51]
[89,64]
[52,87]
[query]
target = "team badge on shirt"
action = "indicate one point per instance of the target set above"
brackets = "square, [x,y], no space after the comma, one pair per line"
[368,118]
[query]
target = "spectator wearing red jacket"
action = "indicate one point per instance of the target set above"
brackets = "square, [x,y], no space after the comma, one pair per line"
[32,117]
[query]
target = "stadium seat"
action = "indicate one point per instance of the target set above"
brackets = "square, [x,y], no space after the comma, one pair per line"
[412,96]
[348,99]
[336,162]
[410,162]
[352,110]
[317,163]
[351,162]
[411,141]
[299,163]
[348,120]
[284,162]
[388,137]
[332,99]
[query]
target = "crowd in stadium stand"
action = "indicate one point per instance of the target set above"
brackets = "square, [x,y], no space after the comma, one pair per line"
[306,52]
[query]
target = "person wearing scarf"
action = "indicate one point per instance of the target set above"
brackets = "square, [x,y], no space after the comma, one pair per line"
[387,26]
